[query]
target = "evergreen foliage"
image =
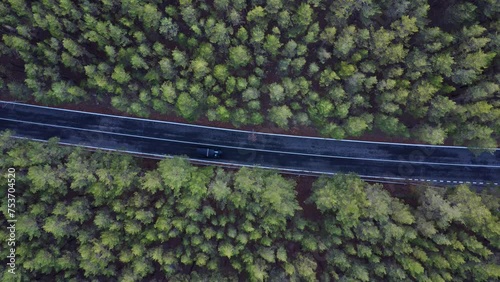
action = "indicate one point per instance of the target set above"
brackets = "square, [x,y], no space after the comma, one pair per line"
[421,69]
[98,216]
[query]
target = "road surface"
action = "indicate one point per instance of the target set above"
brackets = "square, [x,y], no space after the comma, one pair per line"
[433,164]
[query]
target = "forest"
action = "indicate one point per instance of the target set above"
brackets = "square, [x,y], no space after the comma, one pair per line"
[420,70]
[97,216]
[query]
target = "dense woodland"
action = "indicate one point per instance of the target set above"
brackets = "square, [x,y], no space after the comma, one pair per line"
[93,216]
[421,69]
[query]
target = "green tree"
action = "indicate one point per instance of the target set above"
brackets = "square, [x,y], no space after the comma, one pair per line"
[250,94]
[221,5]
[280,115]
[303,15]
[221,73]
[120,75]
[200,68]
[189,15]
[168,92]
[239,56]
[272,44]
[391,126]
[274,6]
[257,14]
[187,106]
[180,58]
[276,93]
[151,16]
[223,113]
[78,211]
[346,191]
[355,126]
[427,133]
[168,28]
[29,227]
[328,34]
[345,43]
[306,267]
[58,227]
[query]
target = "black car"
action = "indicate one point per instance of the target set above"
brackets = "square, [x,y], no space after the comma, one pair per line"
[209,153]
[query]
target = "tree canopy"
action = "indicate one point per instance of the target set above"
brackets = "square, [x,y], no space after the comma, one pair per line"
[425,70]
[103,216]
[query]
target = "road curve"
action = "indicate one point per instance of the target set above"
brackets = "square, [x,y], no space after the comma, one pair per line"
[436,164]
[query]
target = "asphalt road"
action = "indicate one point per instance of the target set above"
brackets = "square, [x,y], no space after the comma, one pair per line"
[435,164]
